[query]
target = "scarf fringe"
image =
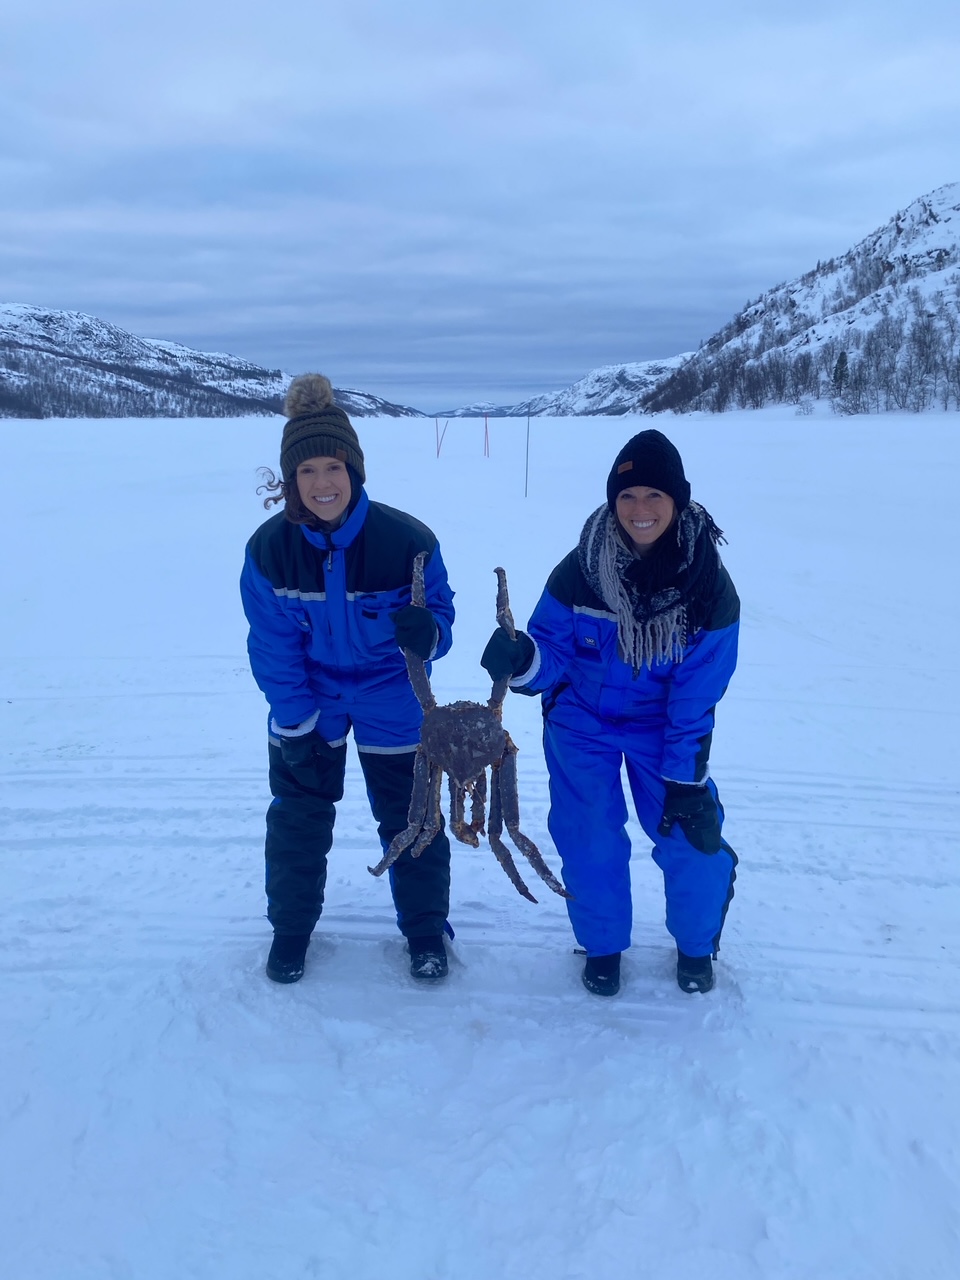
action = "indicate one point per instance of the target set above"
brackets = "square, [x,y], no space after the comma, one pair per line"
[651,629]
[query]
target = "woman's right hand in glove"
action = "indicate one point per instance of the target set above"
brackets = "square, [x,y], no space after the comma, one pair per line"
[504,658]
[301,744]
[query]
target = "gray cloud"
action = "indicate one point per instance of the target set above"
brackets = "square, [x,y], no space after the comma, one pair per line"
[440,202]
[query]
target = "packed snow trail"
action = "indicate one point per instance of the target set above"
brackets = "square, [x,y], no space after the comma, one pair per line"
[168,1111]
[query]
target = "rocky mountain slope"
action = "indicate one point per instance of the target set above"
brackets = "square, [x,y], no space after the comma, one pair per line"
[611,389]
[64,364]
[875,329]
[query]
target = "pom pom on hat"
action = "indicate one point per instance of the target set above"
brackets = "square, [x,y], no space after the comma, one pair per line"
[310,393]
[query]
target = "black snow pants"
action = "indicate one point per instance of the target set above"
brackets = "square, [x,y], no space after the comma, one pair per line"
[300,833]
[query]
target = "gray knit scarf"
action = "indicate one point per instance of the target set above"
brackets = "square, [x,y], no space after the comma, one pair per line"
[658,600]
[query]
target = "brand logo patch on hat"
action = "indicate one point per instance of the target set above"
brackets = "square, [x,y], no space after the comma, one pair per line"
[625,466]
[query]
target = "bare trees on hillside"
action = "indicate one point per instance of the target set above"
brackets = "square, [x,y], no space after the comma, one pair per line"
[40,384]
[908,358]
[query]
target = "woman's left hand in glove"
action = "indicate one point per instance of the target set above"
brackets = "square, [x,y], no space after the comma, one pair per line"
[416,629]
[692,806]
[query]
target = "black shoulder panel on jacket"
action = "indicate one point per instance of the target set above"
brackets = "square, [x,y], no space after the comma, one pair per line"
[568,586]
[381,557]
[262,540]
[724,609]
[285,557]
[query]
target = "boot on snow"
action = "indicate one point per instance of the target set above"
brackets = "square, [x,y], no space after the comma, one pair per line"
[694,973]
[285,961]
[428,958]
[601,974]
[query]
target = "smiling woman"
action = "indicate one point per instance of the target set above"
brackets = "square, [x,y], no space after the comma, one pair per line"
[326,590]
[631,647]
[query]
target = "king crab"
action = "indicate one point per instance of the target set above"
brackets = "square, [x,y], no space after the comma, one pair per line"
[463,740]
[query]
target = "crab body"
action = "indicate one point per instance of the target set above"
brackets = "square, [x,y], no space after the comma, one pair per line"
[463,739]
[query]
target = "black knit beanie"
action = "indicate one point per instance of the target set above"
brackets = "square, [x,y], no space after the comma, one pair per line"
[649,459]
[317,427]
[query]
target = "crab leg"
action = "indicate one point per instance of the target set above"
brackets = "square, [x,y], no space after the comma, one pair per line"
[505,620]
[433,818]
[464,832]
[494,828]
[504,616]
[478,803]
[416,667]
[510,804]
[456,803]
[415,815]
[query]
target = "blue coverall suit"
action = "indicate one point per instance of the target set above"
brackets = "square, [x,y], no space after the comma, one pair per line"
[320,607]
[598,714]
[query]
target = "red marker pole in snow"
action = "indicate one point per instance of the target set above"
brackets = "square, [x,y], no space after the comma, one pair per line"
[486,436]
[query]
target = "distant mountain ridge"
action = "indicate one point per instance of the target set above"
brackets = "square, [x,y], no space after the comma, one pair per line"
[877,328]
[610,390]
[65,364]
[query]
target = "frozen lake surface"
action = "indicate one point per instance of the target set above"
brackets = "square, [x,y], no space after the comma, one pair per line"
[168,1112]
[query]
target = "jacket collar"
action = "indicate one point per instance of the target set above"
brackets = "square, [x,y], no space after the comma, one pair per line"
[345,533]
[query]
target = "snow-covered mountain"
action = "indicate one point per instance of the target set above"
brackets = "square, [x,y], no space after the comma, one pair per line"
[610,390]
[66,364]
[875,329]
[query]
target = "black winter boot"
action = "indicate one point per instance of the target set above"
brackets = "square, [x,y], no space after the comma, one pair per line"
[601,974]
[285,961]
[428,958]
[694,973]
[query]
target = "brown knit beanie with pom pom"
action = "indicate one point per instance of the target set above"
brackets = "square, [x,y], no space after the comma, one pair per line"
[317,427]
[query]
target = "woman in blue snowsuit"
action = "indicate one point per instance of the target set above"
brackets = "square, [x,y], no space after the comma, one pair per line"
[326,590]
[632,645]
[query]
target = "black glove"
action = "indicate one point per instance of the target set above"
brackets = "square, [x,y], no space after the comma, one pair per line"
[416,630]
[505,657]
[692,805]
[306,750]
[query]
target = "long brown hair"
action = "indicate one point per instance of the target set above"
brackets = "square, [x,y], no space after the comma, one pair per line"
[285,491]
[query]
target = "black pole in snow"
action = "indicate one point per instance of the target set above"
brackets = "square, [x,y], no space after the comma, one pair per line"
[526,468]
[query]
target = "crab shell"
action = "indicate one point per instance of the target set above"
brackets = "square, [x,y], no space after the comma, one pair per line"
[463,738]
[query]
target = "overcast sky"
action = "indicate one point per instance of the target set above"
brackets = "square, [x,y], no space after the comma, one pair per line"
[441,202]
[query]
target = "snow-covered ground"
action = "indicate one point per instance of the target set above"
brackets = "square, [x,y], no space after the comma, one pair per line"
[169,1113]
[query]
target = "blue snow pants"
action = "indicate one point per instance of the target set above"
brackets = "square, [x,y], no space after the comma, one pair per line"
[587,822]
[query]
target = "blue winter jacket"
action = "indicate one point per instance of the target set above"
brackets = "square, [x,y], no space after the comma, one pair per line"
[320,609]
[577,666]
